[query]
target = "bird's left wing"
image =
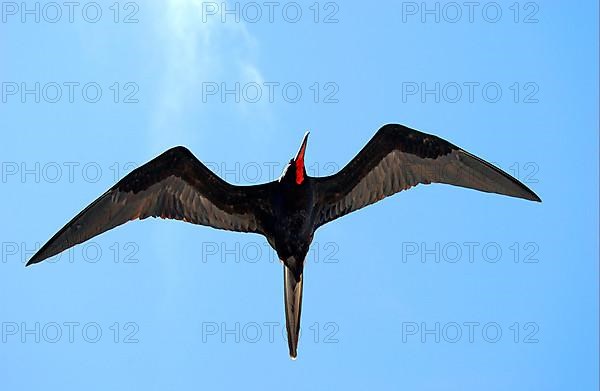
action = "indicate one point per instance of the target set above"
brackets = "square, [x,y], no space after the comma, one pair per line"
[398,158]
[175,185]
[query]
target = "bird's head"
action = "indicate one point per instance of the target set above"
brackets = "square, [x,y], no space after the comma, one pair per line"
[295,172]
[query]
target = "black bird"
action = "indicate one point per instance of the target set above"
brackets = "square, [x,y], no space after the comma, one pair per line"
[176,185]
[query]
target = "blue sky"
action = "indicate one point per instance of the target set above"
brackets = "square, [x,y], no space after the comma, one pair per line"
[437,288]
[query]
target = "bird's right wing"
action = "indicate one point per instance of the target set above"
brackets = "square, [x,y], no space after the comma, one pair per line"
[175,185]
[398,158]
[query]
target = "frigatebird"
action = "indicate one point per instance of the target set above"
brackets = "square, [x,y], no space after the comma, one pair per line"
[176,185]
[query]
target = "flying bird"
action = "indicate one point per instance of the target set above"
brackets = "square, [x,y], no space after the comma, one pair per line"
[288,211]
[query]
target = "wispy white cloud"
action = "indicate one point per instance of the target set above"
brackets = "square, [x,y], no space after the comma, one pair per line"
[197,51]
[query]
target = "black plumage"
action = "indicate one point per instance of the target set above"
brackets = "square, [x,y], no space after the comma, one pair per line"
[287,212]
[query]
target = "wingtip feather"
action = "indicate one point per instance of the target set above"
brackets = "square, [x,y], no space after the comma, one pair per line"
[33,260]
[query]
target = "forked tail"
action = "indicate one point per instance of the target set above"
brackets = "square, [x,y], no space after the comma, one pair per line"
[292,287]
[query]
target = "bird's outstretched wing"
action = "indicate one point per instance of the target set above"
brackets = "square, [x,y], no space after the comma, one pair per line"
[398,158]
[175,185]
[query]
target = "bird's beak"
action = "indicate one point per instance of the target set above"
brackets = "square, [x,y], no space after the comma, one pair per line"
[300,154]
